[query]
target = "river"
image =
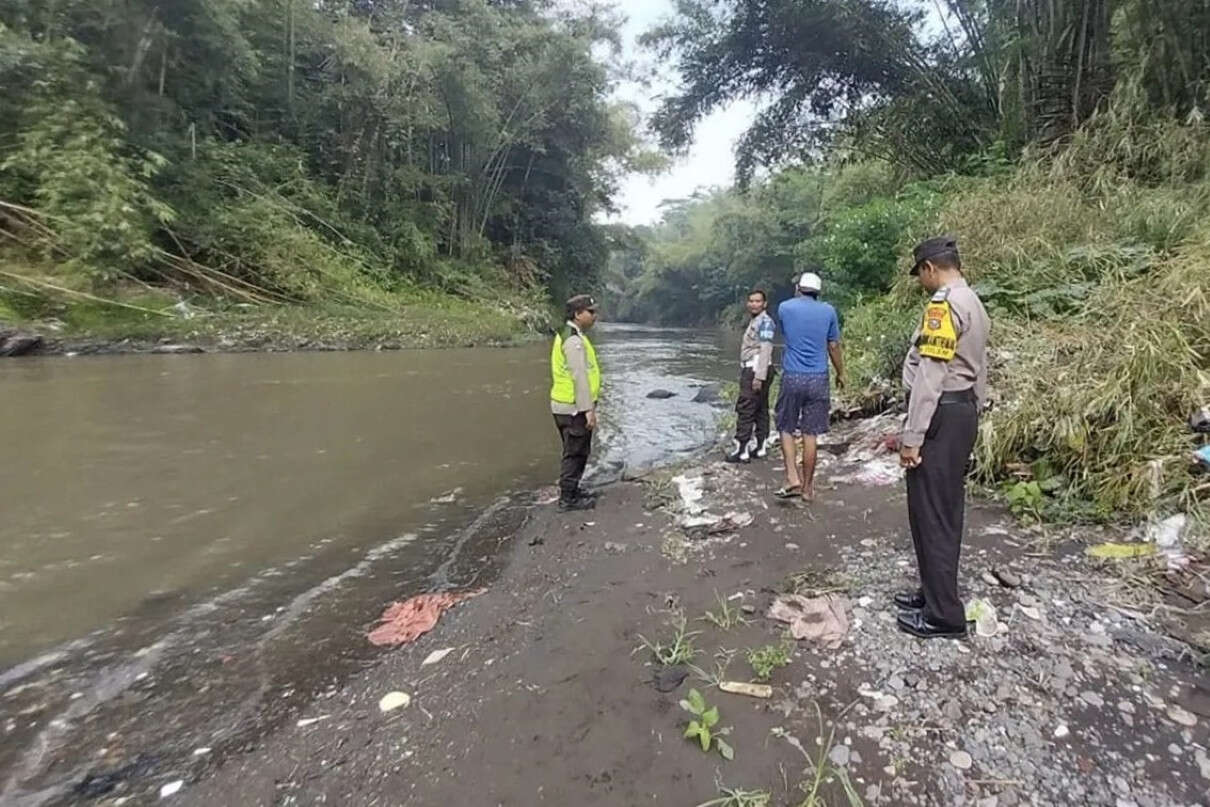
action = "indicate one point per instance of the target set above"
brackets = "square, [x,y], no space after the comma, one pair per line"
[183,534]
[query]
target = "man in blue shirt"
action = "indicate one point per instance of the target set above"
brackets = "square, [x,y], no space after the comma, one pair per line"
[812,333]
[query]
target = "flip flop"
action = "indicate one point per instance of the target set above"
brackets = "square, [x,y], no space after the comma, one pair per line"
[788,492]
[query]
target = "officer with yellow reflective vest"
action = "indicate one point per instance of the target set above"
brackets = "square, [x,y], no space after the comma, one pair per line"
[575,388]
[945,374]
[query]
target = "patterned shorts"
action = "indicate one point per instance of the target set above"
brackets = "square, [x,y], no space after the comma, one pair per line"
[804,404]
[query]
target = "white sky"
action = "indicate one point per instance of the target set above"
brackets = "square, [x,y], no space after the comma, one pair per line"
[710,161]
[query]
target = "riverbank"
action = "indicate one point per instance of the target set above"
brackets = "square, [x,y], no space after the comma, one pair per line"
[183,329]
[547,693]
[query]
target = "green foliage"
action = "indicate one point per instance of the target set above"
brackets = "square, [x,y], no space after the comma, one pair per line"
[736,797]
[765,660]
[313,150]
[1025,499]
[677,649]
[702,726]
[726,616]
[867,78]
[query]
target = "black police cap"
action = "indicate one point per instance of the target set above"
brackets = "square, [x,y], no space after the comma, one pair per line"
[934,248]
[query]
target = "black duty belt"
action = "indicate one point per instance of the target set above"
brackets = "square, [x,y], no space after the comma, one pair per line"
[953,397]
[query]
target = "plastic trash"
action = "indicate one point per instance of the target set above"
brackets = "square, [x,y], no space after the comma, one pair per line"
[820,618]
[1114,551]
[311,721]
[436,656]
[394,700]
[751,690]
[983,614]
[1202,455]
[403,622]
[171,789]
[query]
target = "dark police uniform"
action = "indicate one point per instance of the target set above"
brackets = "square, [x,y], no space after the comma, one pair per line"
[945,373]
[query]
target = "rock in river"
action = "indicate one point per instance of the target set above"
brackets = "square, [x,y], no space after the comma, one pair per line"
[15,343]
[660,394]
[708,394]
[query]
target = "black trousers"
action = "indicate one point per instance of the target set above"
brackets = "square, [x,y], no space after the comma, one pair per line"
[577,444]
[937,505]
[752,408]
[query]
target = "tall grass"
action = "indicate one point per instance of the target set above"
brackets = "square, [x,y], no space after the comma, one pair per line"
[1094,262]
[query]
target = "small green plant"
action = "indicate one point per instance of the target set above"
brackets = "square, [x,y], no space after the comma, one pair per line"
[679,649]
[730,797]
[727,616]
[701,727]
[766,659]
[722,660]
[1025,500]
[821,771]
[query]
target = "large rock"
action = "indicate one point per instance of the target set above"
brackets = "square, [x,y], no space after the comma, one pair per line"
[15,343]
[710,394]
[661,394]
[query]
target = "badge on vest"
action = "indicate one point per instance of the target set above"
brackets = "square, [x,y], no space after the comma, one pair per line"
[938,336]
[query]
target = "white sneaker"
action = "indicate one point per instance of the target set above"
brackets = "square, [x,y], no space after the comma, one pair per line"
[736,454]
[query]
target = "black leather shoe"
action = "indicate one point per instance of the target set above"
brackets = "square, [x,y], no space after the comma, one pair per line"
[910,600]
[920,626]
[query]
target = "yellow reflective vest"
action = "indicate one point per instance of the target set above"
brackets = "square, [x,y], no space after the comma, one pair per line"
[563,385]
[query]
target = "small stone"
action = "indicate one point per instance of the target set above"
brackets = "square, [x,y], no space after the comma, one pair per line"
[952,709]
[792,547]
[961,760]
[990,579]
[839,755]
[171,789]
[1061,731]
[1092,699]
[1203,763]
[1178,715]
[1126,707]
[1174,749]
[896,683]
[1007,578]
[394,700]
[614,548]
[990,801]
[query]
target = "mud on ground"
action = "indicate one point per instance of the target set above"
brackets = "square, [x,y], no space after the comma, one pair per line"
[547,696]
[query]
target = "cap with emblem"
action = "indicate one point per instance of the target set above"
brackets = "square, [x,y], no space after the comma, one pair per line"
[810,282]
[944,245]
[581,302]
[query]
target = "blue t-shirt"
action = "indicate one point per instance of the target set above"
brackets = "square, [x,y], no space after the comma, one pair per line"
[808,325]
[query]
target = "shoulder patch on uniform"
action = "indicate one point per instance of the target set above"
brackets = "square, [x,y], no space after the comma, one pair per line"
[942,295]
[938,335]
[765,329]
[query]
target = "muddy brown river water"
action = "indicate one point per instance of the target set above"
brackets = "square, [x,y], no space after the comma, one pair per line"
[210,522]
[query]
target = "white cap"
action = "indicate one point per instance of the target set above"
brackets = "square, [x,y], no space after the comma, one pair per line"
[810,282]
